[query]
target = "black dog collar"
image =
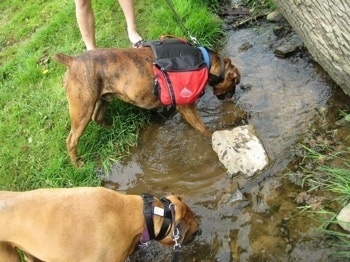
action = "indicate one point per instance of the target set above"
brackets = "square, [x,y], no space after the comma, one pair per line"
[213,79]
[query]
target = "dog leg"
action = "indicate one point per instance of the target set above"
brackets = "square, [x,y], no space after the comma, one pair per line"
[99,112]
[190,114]
[72,144]
[79,121]
[8,253]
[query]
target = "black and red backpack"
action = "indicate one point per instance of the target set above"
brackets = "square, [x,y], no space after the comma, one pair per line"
[180,71]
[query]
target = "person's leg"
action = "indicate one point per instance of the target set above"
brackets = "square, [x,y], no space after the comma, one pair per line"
[129,13]
[86,22]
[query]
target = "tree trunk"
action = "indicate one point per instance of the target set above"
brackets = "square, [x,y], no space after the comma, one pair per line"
[324,28]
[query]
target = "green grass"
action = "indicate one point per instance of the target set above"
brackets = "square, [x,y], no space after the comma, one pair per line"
[330,171]
[325,168]
[260,4]
[34,121]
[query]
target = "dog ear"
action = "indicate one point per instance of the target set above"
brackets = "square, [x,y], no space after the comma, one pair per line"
[181,198]
[227,61]
[232,70]
[234,74]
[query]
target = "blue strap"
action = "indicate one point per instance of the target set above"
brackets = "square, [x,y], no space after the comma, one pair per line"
[206,56]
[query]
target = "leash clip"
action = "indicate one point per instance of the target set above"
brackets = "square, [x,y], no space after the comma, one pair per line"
[177,245]
[143,245]
[193,39]
[176,231]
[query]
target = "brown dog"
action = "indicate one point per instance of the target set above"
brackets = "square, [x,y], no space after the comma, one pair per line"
[86,224]
[95,77]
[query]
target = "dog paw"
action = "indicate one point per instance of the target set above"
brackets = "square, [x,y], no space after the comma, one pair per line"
[78,163]
[81,163]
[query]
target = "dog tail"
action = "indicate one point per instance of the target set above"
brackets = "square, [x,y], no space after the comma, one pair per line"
[63,59]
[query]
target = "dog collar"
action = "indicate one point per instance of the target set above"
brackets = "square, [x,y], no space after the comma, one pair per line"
[213,79]
[206,56]
[149,211]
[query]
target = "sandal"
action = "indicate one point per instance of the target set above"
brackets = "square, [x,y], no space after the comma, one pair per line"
[138,44]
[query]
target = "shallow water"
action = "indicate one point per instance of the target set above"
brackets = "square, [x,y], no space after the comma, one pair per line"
[282,99]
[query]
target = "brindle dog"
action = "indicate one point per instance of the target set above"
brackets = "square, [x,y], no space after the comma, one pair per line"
[95,77]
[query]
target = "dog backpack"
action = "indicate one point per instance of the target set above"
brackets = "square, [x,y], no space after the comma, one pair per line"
[180,71]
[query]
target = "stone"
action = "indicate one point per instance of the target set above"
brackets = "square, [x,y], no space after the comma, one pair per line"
[286,50]
[234,195]
[245,46]
[240,151]
[343,218]
[274,17]
[288,46]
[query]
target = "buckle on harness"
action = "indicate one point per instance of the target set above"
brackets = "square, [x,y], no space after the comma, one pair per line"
[176,235]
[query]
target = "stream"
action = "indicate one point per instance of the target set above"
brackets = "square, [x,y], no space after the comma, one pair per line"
[241,219]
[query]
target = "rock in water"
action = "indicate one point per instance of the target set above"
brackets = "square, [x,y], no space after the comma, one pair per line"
[240,150]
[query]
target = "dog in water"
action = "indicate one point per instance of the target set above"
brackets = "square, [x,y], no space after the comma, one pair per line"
[95,77]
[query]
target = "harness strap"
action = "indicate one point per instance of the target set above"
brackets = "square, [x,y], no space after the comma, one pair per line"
[166,225]
[169,86]
[148,213]
[206,56]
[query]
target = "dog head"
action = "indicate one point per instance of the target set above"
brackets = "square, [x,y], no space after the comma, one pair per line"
[185,222]
[223,76]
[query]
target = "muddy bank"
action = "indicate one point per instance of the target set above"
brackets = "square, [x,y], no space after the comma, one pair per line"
[241,220]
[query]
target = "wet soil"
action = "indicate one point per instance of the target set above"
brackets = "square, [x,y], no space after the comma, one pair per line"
[258,219]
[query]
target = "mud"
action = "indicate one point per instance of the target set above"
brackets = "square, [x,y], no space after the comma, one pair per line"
[241,220]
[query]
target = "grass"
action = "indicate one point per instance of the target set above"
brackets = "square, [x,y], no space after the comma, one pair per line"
[326,168]
[331,172]
[34,119]
[260,4]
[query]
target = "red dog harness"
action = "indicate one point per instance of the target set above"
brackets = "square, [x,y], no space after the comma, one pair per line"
[180,71]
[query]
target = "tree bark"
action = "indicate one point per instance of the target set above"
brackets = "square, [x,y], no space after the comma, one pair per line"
[324,28]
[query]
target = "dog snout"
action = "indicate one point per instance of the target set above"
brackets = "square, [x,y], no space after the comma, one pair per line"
[228,95]
[198,232]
